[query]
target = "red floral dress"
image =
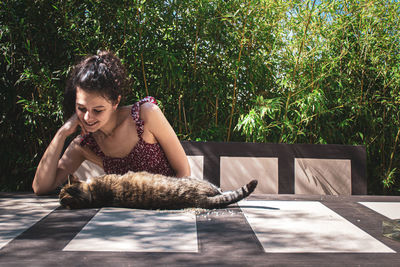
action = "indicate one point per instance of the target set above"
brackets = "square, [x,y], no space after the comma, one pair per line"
[143,157]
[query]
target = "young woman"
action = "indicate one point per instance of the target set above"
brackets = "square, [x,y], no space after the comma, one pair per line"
[119,139]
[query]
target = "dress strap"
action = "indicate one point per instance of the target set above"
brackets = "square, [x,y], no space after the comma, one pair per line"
[135,112]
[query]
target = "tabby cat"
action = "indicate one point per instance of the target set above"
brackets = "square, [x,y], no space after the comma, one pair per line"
[143,190]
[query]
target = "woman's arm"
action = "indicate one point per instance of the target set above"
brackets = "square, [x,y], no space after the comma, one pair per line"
[53,171]
[159,126]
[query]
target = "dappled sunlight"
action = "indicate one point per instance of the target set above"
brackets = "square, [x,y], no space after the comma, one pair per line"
[19,214]
[305,227]
[117,229]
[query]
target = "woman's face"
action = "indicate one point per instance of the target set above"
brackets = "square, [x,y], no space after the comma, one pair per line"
[93,110]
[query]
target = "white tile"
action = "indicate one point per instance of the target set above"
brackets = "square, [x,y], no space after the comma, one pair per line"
[306,227]
[19,214]
[238,171]
[88,170]
[196,166]
[117,229]
[322,176]
[388,209]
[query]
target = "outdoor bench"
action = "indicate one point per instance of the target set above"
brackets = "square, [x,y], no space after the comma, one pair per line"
[280,168]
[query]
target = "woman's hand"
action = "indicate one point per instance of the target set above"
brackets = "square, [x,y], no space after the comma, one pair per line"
[71,126]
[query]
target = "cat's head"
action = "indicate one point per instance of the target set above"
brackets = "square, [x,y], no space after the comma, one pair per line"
[76,195]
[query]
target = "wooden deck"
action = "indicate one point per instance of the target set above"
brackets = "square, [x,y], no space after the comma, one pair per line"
[263,230]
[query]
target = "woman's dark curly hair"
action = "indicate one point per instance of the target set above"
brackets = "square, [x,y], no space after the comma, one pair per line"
[103,74]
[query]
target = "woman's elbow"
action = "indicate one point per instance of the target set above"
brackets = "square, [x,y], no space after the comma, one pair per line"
[39,190]
[184,172]
[36,189]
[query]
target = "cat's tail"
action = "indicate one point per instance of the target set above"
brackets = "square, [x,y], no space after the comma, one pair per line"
[230,197]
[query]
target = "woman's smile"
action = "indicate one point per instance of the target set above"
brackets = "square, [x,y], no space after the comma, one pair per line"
[91,124]
[94,111]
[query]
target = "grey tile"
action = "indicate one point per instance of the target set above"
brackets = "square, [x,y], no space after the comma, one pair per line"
[238,171]
[322,176]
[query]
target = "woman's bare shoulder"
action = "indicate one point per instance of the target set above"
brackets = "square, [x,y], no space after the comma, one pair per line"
[149,110]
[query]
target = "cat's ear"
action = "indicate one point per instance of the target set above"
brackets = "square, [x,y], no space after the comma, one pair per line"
[73,179]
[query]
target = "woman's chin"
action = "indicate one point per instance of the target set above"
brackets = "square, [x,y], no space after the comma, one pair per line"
[92,128]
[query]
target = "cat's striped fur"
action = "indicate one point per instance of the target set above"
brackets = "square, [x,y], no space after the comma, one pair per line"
[143,190]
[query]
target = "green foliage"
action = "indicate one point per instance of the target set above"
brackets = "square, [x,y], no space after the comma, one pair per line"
[337,82]
[275,71]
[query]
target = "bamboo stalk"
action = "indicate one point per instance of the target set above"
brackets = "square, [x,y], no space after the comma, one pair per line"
[141,54]
[144,74]
[235,82]
[195,50]
[394,150]
[179,114]
[295,69]
[184,118]
[216,111]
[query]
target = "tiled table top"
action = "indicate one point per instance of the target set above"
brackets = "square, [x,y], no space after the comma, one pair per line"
[262,230]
